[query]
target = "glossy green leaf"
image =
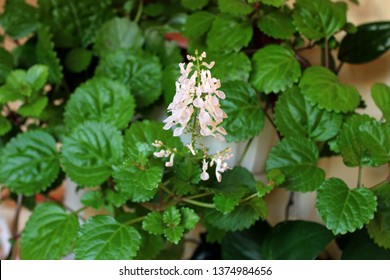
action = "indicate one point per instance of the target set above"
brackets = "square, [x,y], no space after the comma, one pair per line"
[319,19]
[381,95]
[34,108]
[277,25]
[174,234]
[344,210]
[74,23]
[295,116]
[296,158]
[275,3]
[229,34]
[49,233]
[189,218]
[78,60]
[47,55]
[322,87]
[29,162]
[117,34]
[197,24]
[375,137]
[370,41]
[188,170]
[379,227]
[351,148]
[36,76]
[16,87]
[103,238]
[245,115]
[194,4]
[138,183]
[151,246]
[242,217]
[153,223]
[296,240]
[93,198]
[275,69]
[140,72]
[5,125]
[19,19]
[100,99]
[169,76]
[172,216]
[225,204]
[234,7]
[246,244]
[231,66]
[6,64]
[89,152]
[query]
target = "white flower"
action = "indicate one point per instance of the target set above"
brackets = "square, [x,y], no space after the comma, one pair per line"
[189,146]
[204,176]
[170,162]
[221,166]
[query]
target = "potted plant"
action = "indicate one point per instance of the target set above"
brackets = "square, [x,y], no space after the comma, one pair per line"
[80,97]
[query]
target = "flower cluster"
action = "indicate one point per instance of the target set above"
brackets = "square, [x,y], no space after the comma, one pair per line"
[221,166]
[197,91]
[164,153]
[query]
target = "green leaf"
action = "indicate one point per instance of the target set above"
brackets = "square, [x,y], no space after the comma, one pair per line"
[174,234]
[169,77]
[275,3]
[229,34]
[296,240]
[151,246]
[189,218]
[172,216]
[138,183]
[6,64]
[234,7]
[322,87]
[277,25]
[231,66]
[275,69]
[198,24]
[29,163]
[140,72]
[379,227]
[78,60]
[16,87]
[100,99]
[375,137]
[145,133]
[242,217]
[246,244]
[74,23]
[359,246]
[188,170]
[245,115]
[344,210]
[103,238]
[93,199]
[47,55]
[34,108]
[225,204]
[295,116]
[36,76]
[194,4]
[319,19]
[381,95]
[369,42]
[19,19]
[351,148]
[49,233]
[296,158]
[89,152]
[153,223]
[117,34]
[5,125]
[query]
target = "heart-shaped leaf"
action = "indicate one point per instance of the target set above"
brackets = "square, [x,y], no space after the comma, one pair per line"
[49,233]
[295,240]
[89,152]
[375,137]
[344,210]
[245,115]
[381,96]
[275,69]
[100,99]
[198,24]
[320,86]
[231,66]
[296,158]
[103,238]
[295,116]
[277,25]
[29,163]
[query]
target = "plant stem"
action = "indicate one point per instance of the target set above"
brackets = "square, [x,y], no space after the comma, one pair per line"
[250,197]
[139,11]
[198,203]
[80,210]
[245,151]
[288,206]
[339,68]
[199,195]
[136,220]
[359,180]
[168,191]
